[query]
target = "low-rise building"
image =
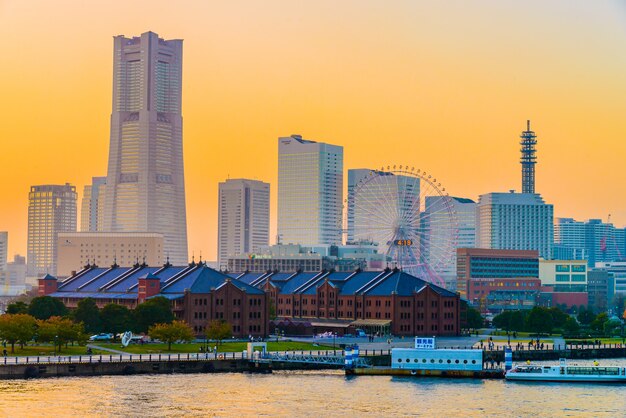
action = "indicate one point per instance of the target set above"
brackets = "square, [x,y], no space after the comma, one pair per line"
[494,295]
[600,289]
[198,294]
[294,257]
[76,249]
[385,301]
[482,263]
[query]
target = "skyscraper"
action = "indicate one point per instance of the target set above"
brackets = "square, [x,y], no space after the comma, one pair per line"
[310,189]
[51,209]
[145,189]
[528,140]
[243,218]
[92,205]
[515,221]
[4,249]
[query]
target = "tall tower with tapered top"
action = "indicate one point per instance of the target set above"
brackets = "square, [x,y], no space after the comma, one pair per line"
[528,159]
[145,186]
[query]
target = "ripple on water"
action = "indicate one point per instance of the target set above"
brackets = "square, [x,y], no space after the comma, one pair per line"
[304,394]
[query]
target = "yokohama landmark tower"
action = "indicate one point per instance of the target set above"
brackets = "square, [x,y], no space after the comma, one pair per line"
[145,188]
[528,141]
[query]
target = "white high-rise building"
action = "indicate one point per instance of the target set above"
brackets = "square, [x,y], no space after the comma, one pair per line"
[310,189]
[438,230]
[145,189]
[92,205]
[51,209]
[515,221]
[4,249]
[243,218]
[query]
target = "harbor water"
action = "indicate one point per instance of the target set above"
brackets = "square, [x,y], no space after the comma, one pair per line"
[315,394]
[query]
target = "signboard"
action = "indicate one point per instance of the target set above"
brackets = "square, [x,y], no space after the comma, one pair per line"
[403,242]
[425,343]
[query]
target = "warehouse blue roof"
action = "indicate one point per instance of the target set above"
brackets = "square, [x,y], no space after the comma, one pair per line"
[122,282]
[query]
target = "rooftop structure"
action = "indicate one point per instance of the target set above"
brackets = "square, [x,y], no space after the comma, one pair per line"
[528,159]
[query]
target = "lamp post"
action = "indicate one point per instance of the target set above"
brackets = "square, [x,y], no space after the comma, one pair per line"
[56,338]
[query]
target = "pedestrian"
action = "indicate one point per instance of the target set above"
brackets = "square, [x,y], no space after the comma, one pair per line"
[4,352]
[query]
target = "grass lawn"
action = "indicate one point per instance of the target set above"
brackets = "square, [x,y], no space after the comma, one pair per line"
[227,347]
[520,334]
[614,340]
[48,350]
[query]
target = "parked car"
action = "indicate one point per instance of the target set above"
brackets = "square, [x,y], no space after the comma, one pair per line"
[101,337]
[360,333]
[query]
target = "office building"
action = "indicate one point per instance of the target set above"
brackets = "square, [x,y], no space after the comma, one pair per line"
[310,189]
[600,289]
[51,210]
[92,205]
[243,218]
[4,249]
[78,249]
[481,263]
[514,221]
[439,230]
[564,275]
[145,187]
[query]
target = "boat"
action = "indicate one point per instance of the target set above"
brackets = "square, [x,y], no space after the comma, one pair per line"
[567,373]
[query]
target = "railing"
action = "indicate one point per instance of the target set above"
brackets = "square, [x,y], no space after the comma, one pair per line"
[129,358]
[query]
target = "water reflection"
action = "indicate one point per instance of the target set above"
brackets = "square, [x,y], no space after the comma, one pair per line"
[317,394]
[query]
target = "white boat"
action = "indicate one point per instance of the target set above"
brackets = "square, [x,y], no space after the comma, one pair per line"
[566,373]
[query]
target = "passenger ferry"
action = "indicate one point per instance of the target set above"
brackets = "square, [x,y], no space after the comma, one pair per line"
[565,373]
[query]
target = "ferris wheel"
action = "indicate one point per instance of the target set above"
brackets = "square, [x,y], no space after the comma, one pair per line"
[409,215]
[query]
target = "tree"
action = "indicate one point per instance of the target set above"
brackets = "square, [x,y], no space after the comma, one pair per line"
[18,307]
[539,320]
[218,330]
[44,307]
[154,311]
[116,318]
[17,328]
[510,320]
[88,313]
[59,331]
[585,316]
[474,318]
[172,332]
[558,317]
[571,326]
[598,323]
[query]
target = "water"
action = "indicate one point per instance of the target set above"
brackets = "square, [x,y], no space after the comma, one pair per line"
[315,394]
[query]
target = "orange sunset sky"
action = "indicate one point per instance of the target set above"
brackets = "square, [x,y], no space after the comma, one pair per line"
[445,86]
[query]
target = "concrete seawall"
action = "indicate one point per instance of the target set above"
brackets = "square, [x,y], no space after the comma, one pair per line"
[156,366]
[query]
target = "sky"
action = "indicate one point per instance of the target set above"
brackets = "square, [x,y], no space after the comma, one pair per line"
[446,87]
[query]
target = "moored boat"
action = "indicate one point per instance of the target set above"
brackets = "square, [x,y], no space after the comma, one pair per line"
[567,373]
